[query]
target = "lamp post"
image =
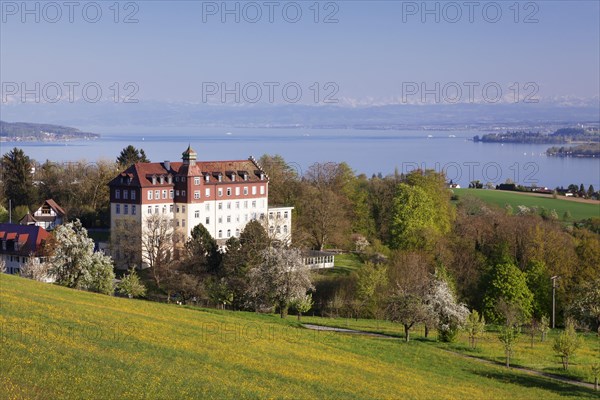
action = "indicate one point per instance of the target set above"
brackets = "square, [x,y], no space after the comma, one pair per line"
[554,278]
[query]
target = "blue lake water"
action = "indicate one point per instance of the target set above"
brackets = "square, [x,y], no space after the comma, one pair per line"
[366,151]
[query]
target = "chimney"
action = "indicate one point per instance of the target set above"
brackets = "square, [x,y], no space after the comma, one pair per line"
[167,165]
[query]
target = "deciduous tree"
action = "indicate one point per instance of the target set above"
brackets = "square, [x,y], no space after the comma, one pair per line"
[280,279]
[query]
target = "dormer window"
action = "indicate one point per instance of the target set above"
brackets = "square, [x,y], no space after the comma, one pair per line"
[262,176]
[154,179]
[169,179]
[206,178]
[245,176]
[220,178]
[162,179]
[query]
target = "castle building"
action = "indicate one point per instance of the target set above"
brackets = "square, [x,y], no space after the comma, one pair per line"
[221,195]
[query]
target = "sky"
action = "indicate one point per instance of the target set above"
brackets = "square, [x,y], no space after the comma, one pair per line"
[352,52]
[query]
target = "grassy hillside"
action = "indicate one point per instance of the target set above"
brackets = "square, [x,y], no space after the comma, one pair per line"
[500,198]
[541,357]
[59,343]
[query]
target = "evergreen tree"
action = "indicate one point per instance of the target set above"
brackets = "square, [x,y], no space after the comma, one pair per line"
[17,177]
[130,155]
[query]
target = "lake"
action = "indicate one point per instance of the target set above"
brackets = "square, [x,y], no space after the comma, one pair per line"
[366,151]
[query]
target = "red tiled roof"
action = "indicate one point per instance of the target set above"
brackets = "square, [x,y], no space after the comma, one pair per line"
[30,237]
[141,173]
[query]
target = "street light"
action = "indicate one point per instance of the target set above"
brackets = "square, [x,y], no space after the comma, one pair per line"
[554,278]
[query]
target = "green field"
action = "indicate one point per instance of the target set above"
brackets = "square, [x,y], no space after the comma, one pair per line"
[500,198]
[59,343]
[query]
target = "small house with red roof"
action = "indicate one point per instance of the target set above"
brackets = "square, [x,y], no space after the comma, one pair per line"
[19,243]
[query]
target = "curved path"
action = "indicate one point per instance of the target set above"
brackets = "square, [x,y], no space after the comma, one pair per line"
[384,336]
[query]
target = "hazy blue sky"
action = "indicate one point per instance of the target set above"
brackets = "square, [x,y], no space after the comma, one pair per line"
[373,48]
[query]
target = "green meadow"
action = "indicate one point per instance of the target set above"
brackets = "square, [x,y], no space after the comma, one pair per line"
[58,343]
[500,198]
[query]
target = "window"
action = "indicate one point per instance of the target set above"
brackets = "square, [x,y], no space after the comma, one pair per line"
[228,191]
[237,191]
[228,232]
[164,209]
[177,210]
[171,208]
[125,194]
[220,234]
[246,204]
[177,193]
[149,194]
[126,209]
[164,193]
[220,192]
[183,223]
[171,193]
[237,232]
[237,205]
[133,195]
[182,209]
[118,209]
[157,194]
[220,178]
[253,189]
[197,214]
[196,194]
[245,190]
[207,207]
[183,192]
[149,209]
[220,206]
[206,178]
[183,179]
[285,229]
[229,205]
[196,180]
[246,217]
[207,220]
[229,218]
[133,209]
[177,222]
[220,220]
[237,218]
[176,179]
[262,216]
[117,194]
[278,229]
[285,214]
[254,204]
[262,190]
[278,214]
[207,192]
[155,209]
[149,224]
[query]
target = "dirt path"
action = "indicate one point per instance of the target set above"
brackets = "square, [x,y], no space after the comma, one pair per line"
[477,359]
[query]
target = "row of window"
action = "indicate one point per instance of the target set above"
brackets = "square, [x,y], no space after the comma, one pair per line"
[237,204]
[164,209]
[169,180]
[126,209]
[278,229]
[285,215]
[126,194]
[229,191]
[156,194]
